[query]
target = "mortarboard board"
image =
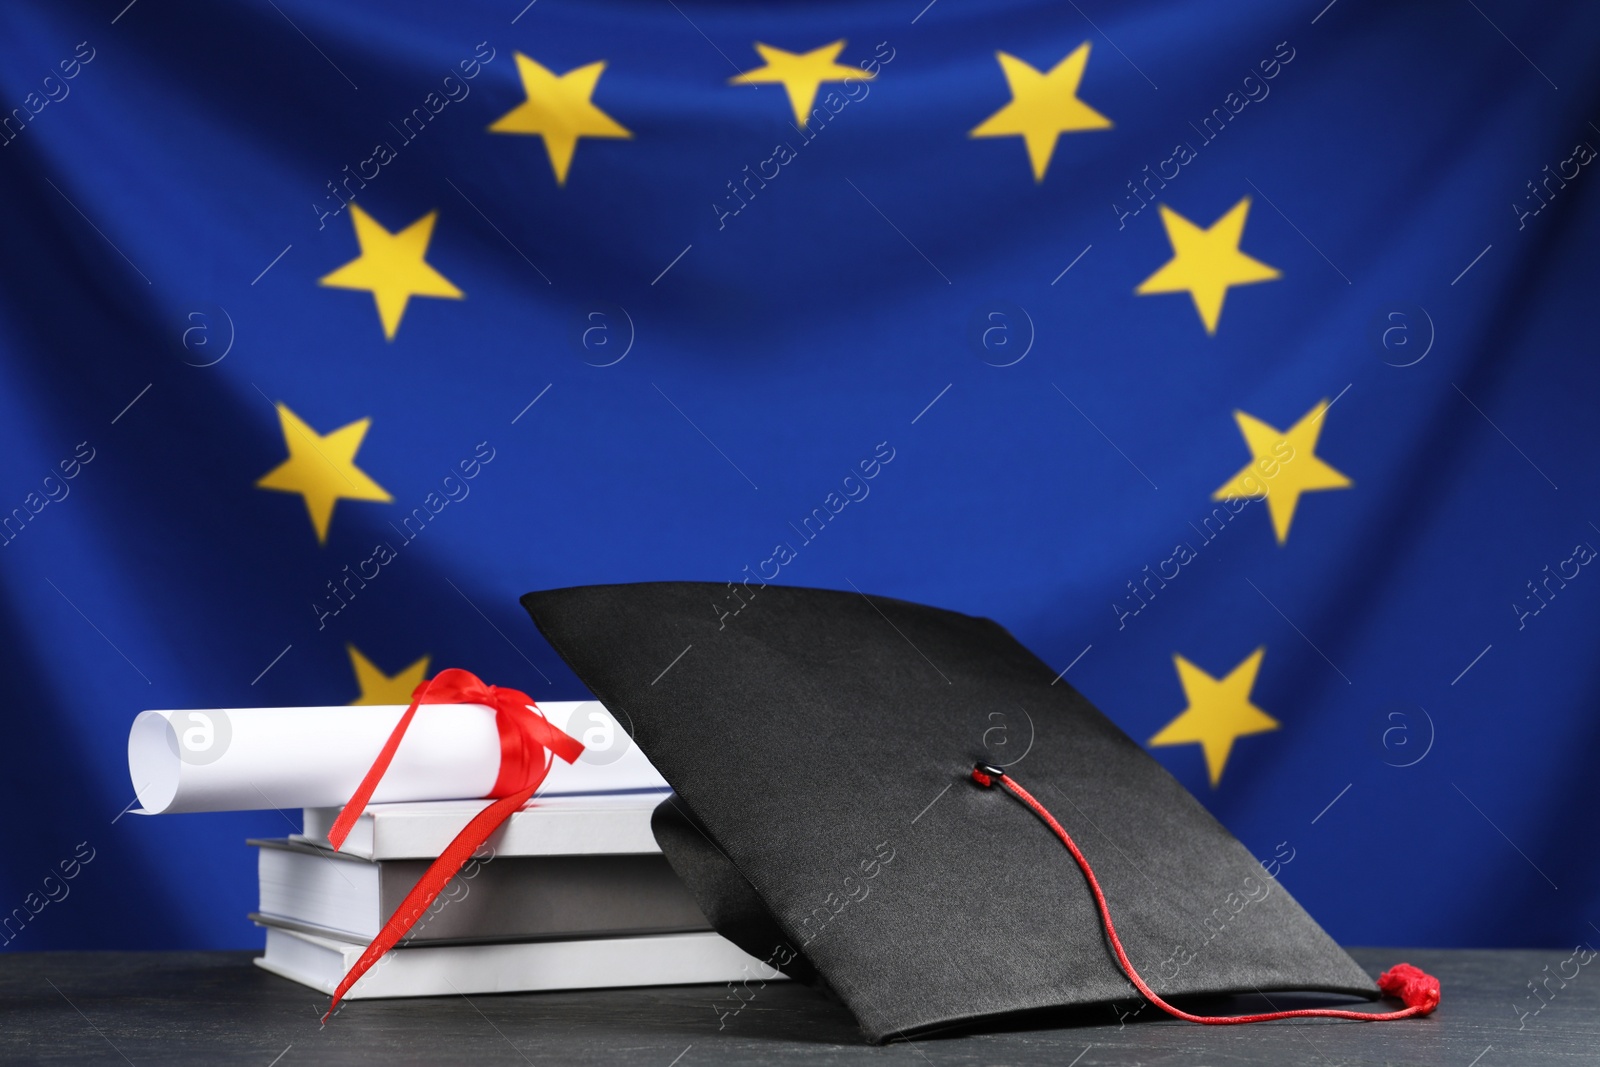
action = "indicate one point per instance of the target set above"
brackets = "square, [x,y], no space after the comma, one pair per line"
[821,748]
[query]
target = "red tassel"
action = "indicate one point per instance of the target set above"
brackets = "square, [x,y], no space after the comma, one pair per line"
[1418,991]
[1414,987]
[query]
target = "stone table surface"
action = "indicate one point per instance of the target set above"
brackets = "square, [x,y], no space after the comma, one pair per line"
[215,1007]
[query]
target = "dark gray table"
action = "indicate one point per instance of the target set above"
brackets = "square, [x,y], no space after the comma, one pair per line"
[215,1007]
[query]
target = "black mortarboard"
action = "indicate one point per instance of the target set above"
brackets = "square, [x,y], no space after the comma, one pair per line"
[821,744]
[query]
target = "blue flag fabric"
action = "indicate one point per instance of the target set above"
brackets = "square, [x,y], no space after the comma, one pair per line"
[1236,357]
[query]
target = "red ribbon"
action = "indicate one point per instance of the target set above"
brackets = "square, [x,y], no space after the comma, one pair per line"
[527,741]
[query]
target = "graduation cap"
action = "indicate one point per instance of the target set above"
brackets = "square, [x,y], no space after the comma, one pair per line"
[839,813]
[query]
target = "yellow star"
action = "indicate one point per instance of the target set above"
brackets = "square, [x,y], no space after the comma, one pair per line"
[391,267]
[380,688]
[1219,711]
[1206,262]
[322,468]
[1044,105]
[1282,466]
[559,110]
[800,73]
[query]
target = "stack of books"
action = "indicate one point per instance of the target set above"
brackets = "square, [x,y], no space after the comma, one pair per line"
[571,893]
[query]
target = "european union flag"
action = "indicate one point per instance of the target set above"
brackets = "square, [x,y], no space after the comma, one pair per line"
[1232,356]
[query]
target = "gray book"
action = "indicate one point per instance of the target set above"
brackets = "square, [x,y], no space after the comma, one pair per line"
[507,898]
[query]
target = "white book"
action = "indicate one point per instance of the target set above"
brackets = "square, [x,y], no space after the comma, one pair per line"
[517,967]
[546,826]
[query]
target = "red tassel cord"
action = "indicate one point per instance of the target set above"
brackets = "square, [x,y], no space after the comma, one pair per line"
[1414,988]
[527,743]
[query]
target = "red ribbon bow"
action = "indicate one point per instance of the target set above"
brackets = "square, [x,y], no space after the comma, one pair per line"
[527,741]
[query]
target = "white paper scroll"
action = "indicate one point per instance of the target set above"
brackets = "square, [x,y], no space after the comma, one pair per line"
[238,759]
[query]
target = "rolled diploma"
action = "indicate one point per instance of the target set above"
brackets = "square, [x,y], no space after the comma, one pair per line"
[238,759]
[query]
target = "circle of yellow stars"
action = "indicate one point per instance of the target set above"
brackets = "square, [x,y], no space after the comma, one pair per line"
[1207,262]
